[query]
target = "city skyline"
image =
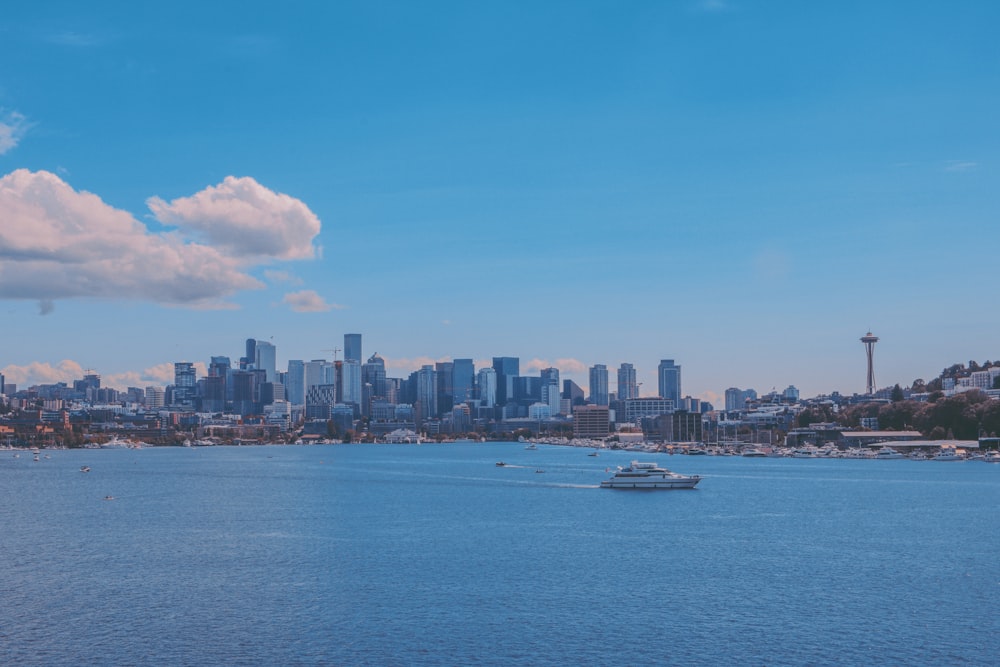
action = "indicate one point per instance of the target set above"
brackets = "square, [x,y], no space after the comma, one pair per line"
[745,189]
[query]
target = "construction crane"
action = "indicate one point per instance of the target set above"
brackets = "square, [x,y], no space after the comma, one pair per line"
[335,350]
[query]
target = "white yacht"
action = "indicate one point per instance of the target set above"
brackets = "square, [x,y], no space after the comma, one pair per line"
[754,453]
[804,453]
[649,476]
[992,457]
[889,453]
[948,454]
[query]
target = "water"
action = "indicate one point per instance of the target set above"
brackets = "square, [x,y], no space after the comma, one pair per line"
[431,555]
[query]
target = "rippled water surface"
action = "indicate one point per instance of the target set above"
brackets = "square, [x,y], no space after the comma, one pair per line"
[432,555]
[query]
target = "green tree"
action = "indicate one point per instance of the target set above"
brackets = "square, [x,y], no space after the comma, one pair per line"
[897,394]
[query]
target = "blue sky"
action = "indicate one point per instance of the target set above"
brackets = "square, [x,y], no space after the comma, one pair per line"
[744,187]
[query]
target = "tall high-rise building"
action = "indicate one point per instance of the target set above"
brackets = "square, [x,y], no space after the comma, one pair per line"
[463,373]
[445,389]
[669,375]
[627,386]
[185,380]
[373,373]
[572,392]
[352,348]
[426,391]
[295,382]
[550,389]
[350,387]
[265,359]
[248,361]
[507,369]
[486,381]
[599,384]
[318,372]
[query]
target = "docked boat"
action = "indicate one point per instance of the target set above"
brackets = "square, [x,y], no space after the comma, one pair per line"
[992,457]
[889,453]
[649,476]
[754,453]
[948,454]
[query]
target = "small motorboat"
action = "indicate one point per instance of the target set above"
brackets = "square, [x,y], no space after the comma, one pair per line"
[84,468]
[501,464]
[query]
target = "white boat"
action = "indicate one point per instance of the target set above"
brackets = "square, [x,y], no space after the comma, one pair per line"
[804,453]
[649,476]
[992,457]
[889,453]
[754,453]
[948,454]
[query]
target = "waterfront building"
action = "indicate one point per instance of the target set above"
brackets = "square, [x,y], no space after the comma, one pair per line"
[352,347]
[669,376]
[627,386]
[591,421]
[539,411]
[599,384]
[637,408]
[487,387]
[791,394]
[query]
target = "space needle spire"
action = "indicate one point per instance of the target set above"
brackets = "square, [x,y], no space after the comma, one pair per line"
[869,340]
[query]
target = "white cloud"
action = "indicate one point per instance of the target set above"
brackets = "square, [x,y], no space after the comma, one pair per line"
[39,372]
[565,366]
[282,277]
[308,301]
[12,127]
[67,370]
[242,218]
[58,243]
[960,165]
[402,367]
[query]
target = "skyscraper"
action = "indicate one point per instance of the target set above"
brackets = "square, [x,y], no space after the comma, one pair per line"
[426,390]
[352,348]
[463,380]
[373,373]
[266,360]
[295,382]
[184,384]
[550,389]
[350,374]
[487,381]
[599,384]
[627,387]
[669,376]
[507,369]
[445,389]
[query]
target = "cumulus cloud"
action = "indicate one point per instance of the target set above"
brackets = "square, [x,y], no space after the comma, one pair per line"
[58,243]
[243,219]
[67,370]
[407,366]
[12,127]
[39,372]
[308,301]
[565,366]
[281,277]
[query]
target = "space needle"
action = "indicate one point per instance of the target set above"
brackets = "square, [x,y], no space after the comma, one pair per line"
[869,340]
